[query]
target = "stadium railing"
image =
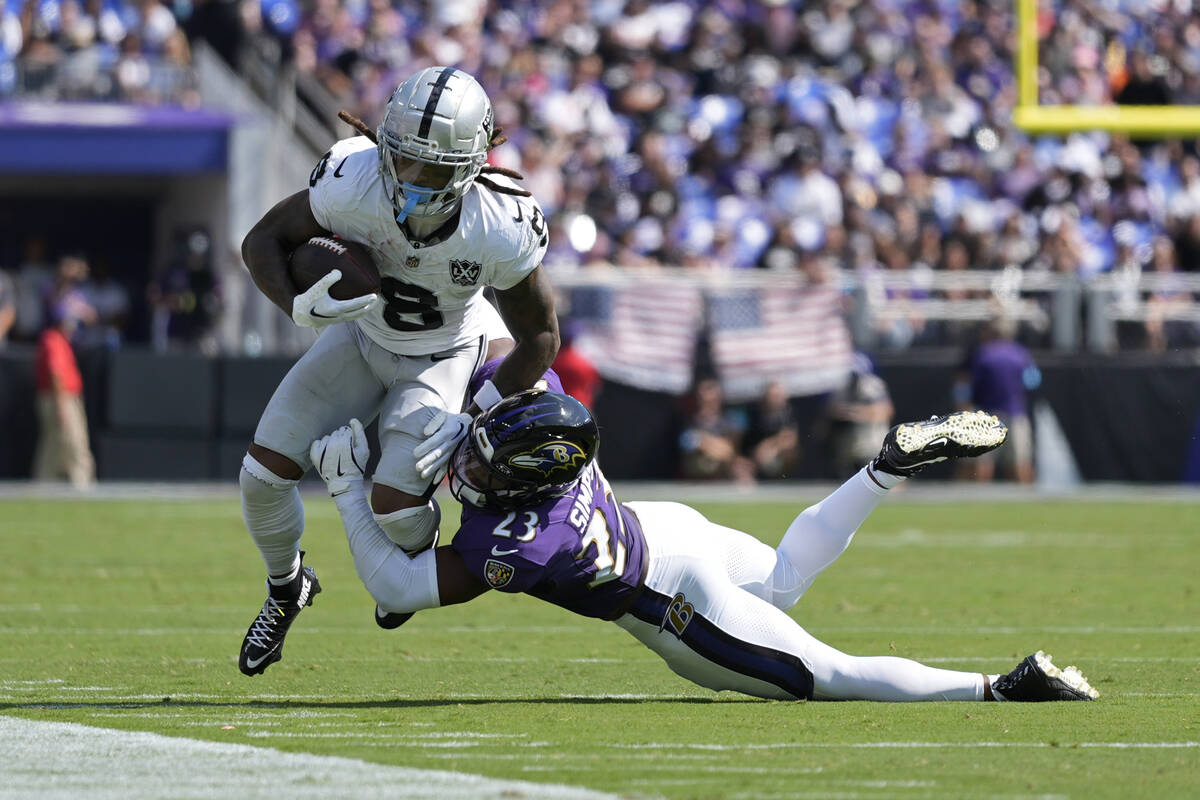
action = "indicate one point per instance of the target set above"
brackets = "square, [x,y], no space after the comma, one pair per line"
[1075,312]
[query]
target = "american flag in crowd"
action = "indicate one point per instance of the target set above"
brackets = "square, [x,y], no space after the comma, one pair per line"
[793,335]
[642,335]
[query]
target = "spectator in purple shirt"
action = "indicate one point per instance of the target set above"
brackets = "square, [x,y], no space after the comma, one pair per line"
[996,377]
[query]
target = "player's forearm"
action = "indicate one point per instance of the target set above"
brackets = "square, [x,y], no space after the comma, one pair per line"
[528,310]
[396,582]
[527,362]
[267,260]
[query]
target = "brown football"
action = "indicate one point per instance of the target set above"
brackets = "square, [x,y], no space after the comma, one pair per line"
[314,259]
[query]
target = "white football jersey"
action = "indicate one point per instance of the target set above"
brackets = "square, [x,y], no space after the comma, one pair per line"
[432,294]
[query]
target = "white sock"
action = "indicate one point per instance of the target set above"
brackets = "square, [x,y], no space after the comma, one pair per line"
[284,580]
[884,480]
[274,515]
[890,679]
[820,534]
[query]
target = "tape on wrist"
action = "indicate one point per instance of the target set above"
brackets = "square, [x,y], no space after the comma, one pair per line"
[487,396]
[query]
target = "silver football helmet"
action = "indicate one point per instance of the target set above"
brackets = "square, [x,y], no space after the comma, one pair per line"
[433,141]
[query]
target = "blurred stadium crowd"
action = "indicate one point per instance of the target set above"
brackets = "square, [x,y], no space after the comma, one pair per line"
[736,133]
[874,137]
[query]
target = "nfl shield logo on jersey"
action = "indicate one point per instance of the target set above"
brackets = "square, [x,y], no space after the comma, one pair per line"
[465,273]
[498,573]
[412,262]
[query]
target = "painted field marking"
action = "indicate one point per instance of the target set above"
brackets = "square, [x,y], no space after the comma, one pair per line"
[65,760]
[308,631]
[1089,659]
[33,685]
[907,745]
[242,700]
[428,740]
[709,768]
[823,795]
[1080,630]
[246,709]
[1076,630]
[964,539]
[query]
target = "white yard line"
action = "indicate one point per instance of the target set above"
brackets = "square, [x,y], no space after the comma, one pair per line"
[1090,659]
[907,745]
[100,630]
[932,628]
[827,795]
[971,630]
[65,761]
[115,698]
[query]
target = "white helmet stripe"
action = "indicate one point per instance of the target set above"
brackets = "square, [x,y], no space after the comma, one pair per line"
[434,96]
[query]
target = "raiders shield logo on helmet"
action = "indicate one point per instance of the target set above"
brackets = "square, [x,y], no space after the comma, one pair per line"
[465,273]
[498,573]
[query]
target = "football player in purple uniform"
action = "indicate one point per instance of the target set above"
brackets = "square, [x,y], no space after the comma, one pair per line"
[539,517]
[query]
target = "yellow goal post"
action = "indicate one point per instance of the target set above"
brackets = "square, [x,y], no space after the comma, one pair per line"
[1143,122]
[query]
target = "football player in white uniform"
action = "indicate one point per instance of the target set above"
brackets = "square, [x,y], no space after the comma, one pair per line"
[441,226]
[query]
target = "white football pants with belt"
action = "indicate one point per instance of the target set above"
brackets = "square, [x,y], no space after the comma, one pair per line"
[343,375]
[714,606]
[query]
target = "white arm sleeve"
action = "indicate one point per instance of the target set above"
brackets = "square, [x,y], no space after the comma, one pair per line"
[398,583]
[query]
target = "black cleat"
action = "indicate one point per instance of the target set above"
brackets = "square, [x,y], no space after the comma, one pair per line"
[263,645]
[910,447]
[390,620]
[1037,680]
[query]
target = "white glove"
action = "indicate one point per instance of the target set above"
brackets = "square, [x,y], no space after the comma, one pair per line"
[341,457]
[316,309]
[443,433]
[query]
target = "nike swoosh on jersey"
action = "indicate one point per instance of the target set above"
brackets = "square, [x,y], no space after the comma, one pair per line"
[496,551]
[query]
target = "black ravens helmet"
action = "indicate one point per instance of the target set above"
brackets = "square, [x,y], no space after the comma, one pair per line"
[526,449]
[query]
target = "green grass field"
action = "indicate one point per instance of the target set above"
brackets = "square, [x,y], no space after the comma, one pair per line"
[129,616]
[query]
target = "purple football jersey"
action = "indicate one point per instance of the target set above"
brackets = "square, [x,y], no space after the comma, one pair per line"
[583,551]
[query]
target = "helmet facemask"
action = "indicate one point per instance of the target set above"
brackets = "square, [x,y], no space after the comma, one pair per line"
[475,481]
[529,448]
[433,187]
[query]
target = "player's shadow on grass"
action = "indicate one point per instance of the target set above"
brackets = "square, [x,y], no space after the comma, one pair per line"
[409,702]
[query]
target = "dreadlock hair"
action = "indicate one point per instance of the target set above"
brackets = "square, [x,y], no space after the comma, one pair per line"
[498,138]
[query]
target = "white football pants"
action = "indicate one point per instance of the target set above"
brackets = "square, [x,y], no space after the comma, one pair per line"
[345,374]
[714,606]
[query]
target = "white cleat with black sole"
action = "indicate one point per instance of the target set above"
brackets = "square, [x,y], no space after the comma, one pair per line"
[911,446]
